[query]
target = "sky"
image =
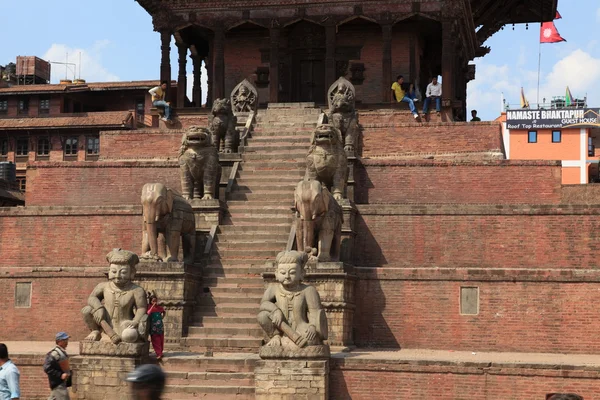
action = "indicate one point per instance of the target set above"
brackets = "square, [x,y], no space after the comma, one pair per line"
[116,41]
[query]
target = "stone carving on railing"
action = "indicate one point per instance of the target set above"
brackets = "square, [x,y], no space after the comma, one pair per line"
[319,221]
[168,214]
[342,113]
[198,164]
[327,161]
[244,98]
[221,124]
[291,312]
[117,308]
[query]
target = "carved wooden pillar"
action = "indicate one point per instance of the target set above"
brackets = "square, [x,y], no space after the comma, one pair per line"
[275,33]
[165,57]
[209,79]
[218,86]
[197,86]
[448,61]
[386,62]
[330,33]
[182,76]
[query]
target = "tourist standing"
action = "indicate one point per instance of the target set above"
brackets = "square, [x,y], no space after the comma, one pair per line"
[474,117]
[56,366]
[433,92]
[158,99]
[157,328]
[400,95]
[147,382]
[9,376]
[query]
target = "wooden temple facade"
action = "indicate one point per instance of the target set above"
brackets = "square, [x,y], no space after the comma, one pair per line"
[294,49]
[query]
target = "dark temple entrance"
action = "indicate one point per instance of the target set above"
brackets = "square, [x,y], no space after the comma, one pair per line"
[307,62]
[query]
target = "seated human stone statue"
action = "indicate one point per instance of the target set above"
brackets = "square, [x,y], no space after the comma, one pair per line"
[118,307]
[290,311]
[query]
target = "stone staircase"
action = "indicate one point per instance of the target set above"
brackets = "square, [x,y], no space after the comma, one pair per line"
[255,228]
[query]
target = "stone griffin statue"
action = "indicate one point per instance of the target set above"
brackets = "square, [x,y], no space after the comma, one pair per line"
[319,220]
[342,113]
[326,161]
[117,308]
[291,312]
[198,164]
[221,124]
[244,98]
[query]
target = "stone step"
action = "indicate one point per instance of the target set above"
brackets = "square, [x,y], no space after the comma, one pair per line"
[244,253]
[265,220]
[292,119]
[250,282]
[218,343]
[252,178]
[236,206]
[287,187]
[269,215]
[257,197]
[226,330]
[282,156]
[226,363]
[233,272]
[251,229]
[210,378]
[250,245]
[273,140]
[249,236]
[281,148]
[223,317]
[292,172]
[208,299]
[207,392]
[268,132]
[306,105]
[262,165]
[231,307]
[231,291]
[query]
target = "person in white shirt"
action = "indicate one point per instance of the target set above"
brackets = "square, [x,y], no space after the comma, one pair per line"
[158,99]
[9,376]
[433,92]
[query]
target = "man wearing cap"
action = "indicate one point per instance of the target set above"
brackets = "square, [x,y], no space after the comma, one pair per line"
[9,376]
[56,366]
[147,382]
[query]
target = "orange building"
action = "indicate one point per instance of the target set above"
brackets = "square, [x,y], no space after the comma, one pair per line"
[568,135]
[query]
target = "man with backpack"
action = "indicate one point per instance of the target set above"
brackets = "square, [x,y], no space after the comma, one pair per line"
[56,366]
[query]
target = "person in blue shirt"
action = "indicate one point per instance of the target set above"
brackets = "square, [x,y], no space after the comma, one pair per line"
[9,376]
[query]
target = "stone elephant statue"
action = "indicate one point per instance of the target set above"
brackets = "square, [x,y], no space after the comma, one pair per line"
[319,220]
[168,219]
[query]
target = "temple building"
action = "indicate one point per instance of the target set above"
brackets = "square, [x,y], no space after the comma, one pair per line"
[293,50]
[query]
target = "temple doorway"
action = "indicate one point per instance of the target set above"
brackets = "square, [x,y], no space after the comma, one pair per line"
[307,62]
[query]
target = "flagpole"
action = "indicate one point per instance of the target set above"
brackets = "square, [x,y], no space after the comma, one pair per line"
[539,69]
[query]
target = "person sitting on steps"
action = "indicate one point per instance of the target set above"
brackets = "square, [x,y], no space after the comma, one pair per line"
[400,95]
[158,99]
[433,92]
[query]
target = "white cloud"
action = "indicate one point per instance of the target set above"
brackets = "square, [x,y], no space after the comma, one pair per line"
[92,69]
[579,70]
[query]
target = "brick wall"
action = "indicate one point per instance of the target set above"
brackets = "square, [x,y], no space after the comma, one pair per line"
[98,183]
[477,236]
[67,236]
[385,381]
[400,309]
[140,144]
[385,133]
[428,181]
[57,298]
[581,194]
[33,380]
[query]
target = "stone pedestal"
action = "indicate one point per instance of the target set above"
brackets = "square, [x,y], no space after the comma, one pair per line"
[348,232]
[292,380]
[335,283]
[102,367]
[176,284]
[207,213]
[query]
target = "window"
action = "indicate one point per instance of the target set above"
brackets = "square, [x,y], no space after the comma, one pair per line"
[71,147]
[44,105]
[469,300]
[93,148]
[140,106]
[22,147]
[22,183]
[23,106]
[556,136]
[43,146]
[3,147]
[532,137]
[23,295]
[3,106]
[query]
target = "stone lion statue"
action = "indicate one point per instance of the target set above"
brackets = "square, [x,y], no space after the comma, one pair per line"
[199,165]
[343,116]
[222,124]
[326,161]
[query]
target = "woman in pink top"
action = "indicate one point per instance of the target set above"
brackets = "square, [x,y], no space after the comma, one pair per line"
[157,329]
